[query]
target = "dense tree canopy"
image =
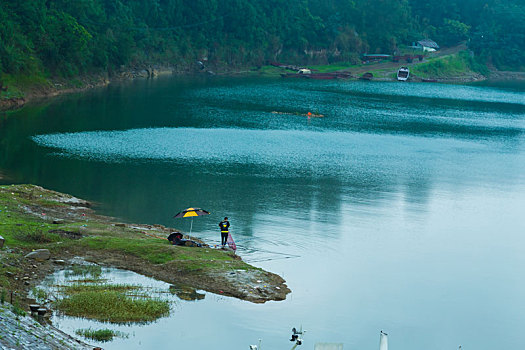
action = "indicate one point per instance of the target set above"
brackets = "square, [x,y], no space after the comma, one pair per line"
[71,37]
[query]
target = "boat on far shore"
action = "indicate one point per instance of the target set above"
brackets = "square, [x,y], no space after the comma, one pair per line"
[403,73]
[366,76]
[307,74]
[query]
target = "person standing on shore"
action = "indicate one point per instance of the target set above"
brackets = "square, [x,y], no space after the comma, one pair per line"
[225,228]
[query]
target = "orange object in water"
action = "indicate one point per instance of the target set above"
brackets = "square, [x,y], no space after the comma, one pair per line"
[309,113]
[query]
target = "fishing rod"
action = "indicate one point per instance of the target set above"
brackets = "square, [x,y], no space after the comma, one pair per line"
[262,250]
[244,249]
[281,256]
[268,259]
[278,253]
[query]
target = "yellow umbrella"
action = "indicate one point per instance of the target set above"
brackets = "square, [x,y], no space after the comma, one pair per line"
[191,213]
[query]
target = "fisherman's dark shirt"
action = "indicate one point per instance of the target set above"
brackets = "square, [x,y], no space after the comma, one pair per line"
[224,225]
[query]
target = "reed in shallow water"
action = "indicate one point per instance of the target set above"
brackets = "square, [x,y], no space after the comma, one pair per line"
[112,305]
[102,335]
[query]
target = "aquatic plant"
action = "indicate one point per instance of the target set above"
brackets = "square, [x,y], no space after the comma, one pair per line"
[100,288]
[39,294]
[113,306]
[93,271]
[102,335]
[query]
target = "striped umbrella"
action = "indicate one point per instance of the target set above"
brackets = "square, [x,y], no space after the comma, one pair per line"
[191,213]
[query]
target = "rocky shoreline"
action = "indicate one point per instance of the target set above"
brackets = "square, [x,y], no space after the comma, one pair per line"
[506,75]
[26,332]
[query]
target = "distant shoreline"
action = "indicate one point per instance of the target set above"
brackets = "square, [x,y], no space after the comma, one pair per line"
[61,87]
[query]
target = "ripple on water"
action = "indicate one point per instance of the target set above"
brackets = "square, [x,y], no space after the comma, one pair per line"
[287,148]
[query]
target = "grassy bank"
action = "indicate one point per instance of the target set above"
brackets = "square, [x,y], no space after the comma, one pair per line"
[453,65]
[27,222]
[20,84]
[35,218]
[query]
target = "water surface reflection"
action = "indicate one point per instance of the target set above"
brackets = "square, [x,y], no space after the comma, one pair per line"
[403,204]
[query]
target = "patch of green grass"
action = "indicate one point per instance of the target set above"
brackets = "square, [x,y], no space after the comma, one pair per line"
[17,310]
[13,92]
[452,65]
[27,235]
[113,306]
[101,335]
[19,228]
[268,71]
[158,251]
[154,251]
[19,83]
[39,294]
[34,235]
[276,71]
[331,67]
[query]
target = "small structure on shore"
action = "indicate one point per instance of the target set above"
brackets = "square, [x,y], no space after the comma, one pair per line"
[425,45]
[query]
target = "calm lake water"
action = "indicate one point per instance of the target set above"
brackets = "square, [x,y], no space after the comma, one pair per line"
[402,209]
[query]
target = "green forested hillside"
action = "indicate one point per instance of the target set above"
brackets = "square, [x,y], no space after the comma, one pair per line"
[66,38]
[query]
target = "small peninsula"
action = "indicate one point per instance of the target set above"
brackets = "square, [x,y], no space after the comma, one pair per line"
[33,218]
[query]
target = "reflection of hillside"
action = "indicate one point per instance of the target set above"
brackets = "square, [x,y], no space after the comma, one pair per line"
[368,149]
[152,192]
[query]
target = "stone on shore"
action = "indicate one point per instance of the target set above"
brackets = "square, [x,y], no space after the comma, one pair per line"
[39,254]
